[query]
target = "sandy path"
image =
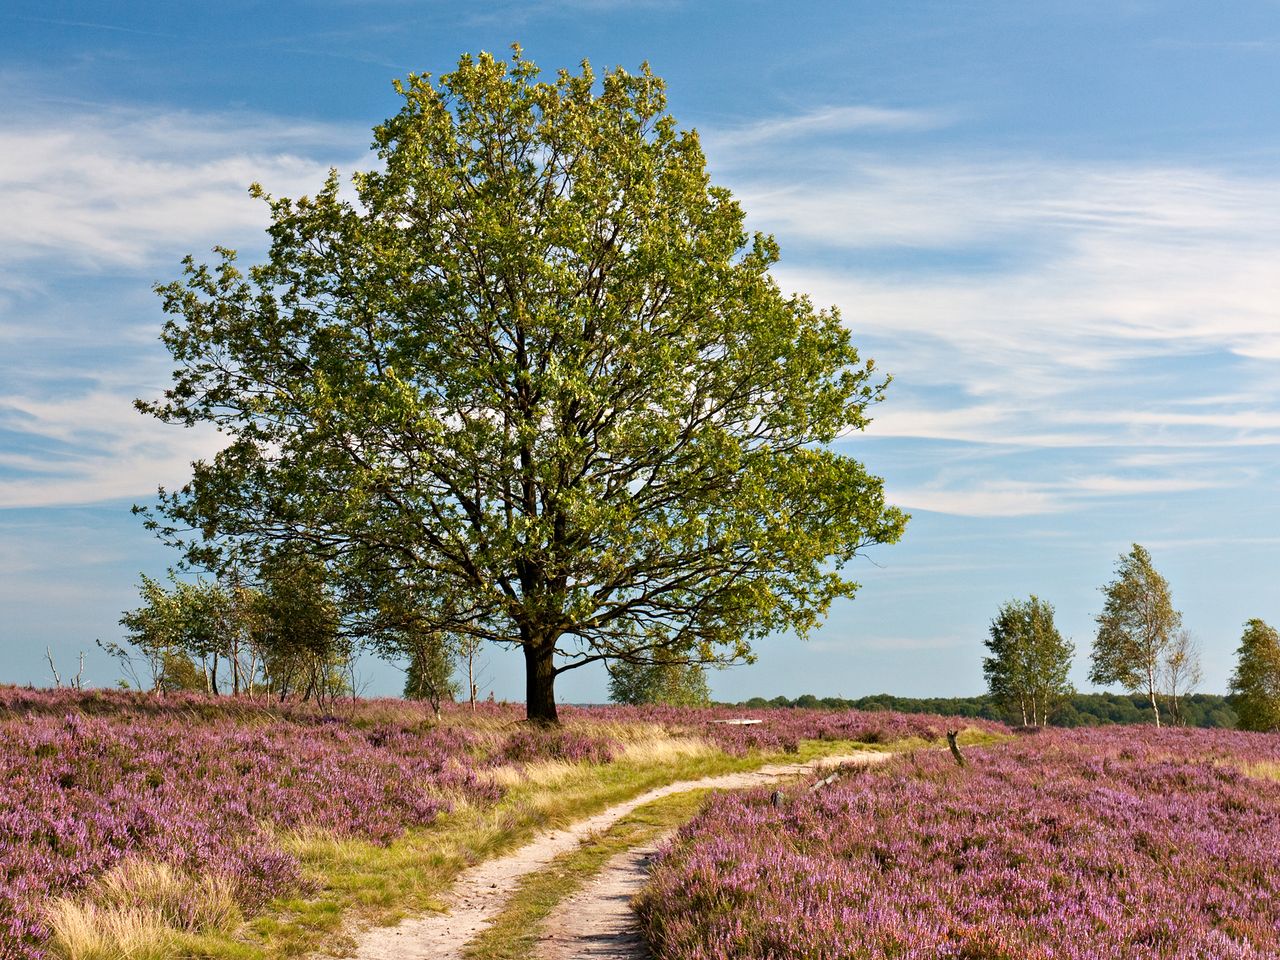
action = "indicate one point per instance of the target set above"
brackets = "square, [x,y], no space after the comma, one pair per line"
[480,892]
[597,923]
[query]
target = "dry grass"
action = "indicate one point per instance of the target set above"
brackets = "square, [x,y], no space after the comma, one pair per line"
[663,748]
[1262,770]
[136,910]
[85,931]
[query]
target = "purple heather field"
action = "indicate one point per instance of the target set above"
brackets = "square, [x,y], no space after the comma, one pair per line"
[207,784]
[1126,842]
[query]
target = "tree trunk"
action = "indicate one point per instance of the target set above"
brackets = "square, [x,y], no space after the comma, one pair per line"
[1155,707]
[540,679]
[471,675]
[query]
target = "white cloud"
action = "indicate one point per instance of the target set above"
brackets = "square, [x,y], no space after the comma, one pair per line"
[1043,304]
[115,187]
[1023,498]
[824,120]
[994,499]
[97,195]
[92,447]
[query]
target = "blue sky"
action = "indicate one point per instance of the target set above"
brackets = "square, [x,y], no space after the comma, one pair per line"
[1056,224]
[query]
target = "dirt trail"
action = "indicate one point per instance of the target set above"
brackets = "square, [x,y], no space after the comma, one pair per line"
[480,892]
[597,923]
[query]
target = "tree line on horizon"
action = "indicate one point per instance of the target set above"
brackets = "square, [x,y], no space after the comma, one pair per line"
[1075,710]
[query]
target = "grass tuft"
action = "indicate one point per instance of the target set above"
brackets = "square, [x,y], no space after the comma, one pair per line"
[136,911]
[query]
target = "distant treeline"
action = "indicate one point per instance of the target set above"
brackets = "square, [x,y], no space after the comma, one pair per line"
[1079,710]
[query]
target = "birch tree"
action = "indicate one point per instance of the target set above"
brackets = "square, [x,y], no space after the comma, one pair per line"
[1029,661]
[1255,685]
[1136,625]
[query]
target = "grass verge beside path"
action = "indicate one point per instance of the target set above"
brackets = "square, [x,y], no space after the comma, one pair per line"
[356,883]
[514,934]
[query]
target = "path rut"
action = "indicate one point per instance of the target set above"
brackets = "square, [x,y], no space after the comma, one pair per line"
[479,893]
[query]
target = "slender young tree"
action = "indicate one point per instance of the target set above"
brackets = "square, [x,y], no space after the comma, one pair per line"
[1029,661]
[1136,625]
[429,673]
[1255,685]
[1180,671]
[537,377]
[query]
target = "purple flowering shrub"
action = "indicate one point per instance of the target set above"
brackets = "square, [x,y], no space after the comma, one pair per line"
[1127,843]
[573,746]
[203,784]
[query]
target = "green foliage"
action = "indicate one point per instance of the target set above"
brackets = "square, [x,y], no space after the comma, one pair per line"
[429,675]
[178,673]
[1135,628]
[1077,710]
[299,628]
[185,621]
[536,379]
[220,635]
[670,682]
[1029,660]
[1255,685]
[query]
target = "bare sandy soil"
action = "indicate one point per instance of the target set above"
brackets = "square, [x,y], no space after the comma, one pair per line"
[597,922]
[600,918]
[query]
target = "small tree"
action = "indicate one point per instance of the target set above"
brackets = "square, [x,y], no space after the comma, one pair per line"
[469,658]
[1255,685]
[155,630]
[665,681]
[190,620]
[1029,661]
[180,674]
[304,648]
[429,673]
[1180,672]
[1135,628]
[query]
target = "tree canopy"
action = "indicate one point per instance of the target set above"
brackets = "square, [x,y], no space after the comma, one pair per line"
[1255,685]
[1136,625]
[671,682]
[533,381]
[1029,660]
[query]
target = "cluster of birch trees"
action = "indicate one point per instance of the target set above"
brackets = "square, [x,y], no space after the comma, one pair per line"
[280,635]
[1140,645]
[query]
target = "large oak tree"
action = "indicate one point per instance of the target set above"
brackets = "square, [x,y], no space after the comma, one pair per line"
[533,382]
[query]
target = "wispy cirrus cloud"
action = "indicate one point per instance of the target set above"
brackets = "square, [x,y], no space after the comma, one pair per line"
[88,447]
[1110,315]
[997,497]
[99,202]
[95,188]
[847,118]
[1061,304]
